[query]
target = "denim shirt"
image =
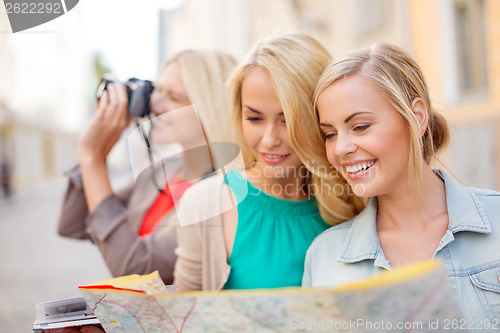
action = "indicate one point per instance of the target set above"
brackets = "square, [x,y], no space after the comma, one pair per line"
[469,250]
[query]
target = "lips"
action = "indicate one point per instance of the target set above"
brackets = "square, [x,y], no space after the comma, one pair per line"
[274,158]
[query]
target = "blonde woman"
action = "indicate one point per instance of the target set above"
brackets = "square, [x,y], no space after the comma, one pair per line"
[380,133]
[260,243]
[133,227]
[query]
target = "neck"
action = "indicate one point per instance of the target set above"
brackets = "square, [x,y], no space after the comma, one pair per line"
[405,208]
[290,188]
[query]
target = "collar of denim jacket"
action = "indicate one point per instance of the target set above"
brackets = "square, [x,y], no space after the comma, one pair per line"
[362,241]
[465,210]
[465,213]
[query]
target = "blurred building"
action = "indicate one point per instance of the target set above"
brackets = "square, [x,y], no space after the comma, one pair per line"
[42,108]
[456,42]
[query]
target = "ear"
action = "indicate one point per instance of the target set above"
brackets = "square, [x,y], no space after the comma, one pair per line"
[420,110]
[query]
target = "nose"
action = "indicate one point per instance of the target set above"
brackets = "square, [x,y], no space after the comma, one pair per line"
[272,135]
[344,145]
[159,105]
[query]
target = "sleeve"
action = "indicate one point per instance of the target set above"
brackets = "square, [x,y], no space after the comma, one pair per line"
[201,252]
[124,251]
[188,268]
[306,278]
[74,210]
[74,207]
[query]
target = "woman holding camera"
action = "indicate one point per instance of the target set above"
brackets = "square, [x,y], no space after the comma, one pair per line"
[133,227]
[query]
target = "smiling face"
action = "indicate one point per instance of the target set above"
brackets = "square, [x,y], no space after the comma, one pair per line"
[366,139]
[264,127]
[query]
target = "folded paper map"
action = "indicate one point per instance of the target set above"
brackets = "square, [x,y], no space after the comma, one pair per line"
[416,298]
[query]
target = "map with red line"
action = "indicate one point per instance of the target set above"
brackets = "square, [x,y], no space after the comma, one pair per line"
[412,301]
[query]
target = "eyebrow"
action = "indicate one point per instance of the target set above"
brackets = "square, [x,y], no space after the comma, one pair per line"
[258,112]
[346,120]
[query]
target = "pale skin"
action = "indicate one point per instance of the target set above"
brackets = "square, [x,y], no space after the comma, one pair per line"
[360,125]
[264,129]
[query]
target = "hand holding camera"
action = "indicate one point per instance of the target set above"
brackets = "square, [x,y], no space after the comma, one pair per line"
[109,121]
[138,95]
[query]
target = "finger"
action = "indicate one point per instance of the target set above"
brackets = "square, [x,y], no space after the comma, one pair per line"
[90,329]
[120,103]
[102,104]
[112,97]
[121,93]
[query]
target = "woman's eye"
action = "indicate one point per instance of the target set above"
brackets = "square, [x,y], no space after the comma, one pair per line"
[329,136]
[361,128]
[253,118]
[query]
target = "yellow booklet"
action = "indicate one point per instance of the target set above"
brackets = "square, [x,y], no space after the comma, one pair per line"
[416,298]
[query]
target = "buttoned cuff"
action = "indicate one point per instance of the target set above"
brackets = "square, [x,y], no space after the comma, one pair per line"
[75,176]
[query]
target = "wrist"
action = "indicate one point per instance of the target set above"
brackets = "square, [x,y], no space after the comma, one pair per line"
[89,159]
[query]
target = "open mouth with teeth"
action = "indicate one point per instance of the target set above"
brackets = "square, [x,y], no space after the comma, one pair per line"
[274,156]
[355,169]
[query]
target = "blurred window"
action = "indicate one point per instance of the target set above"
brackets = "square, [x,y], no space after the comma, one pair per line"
[373,15]
[471,49]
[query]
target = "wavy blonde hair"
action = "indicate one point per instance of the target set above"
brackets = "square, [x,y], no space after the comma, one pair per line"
[400,79]
[294,63]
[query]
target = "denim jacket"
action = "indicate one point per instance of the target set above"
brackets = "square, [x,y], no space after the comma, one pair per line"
[469,250]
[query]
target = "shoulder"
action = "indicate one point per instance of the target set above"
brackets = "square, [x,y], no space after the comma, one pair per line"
[204,201]
[330,241]
[322,265]
[469,200]
[207,186]
[487,202]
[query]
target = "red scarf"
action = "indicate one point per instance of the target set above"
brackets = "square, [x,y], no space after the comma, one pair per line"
[163,204]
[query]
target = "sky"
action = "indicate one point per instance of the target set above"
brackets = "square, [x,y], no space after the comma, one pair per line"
[126,33]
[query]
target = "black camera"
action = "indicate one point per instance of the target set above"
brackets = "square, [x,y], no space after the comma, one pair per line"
[138,93]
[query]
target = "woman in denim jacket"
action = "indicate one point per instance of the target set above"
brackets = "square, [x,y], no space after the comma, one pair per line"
[381,132]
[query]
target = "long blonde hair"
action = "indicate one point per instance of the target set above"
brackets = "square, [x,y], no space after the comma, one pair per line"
[400,79]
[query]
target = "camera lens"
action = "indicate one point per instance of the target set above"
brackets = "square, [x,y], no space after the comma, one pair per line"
[138,94]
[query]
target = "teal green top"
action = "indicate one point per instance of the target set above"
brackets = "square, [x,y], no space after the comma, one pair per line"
[272,237]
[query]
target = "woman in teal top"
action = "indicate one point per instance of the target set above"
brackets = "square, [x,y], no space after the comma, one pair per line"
[262,242]
[271,238]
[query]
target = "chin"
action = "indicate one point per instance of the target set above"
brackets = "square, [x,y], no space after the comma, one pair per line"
[361,191]
[274,174]
[364,190]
